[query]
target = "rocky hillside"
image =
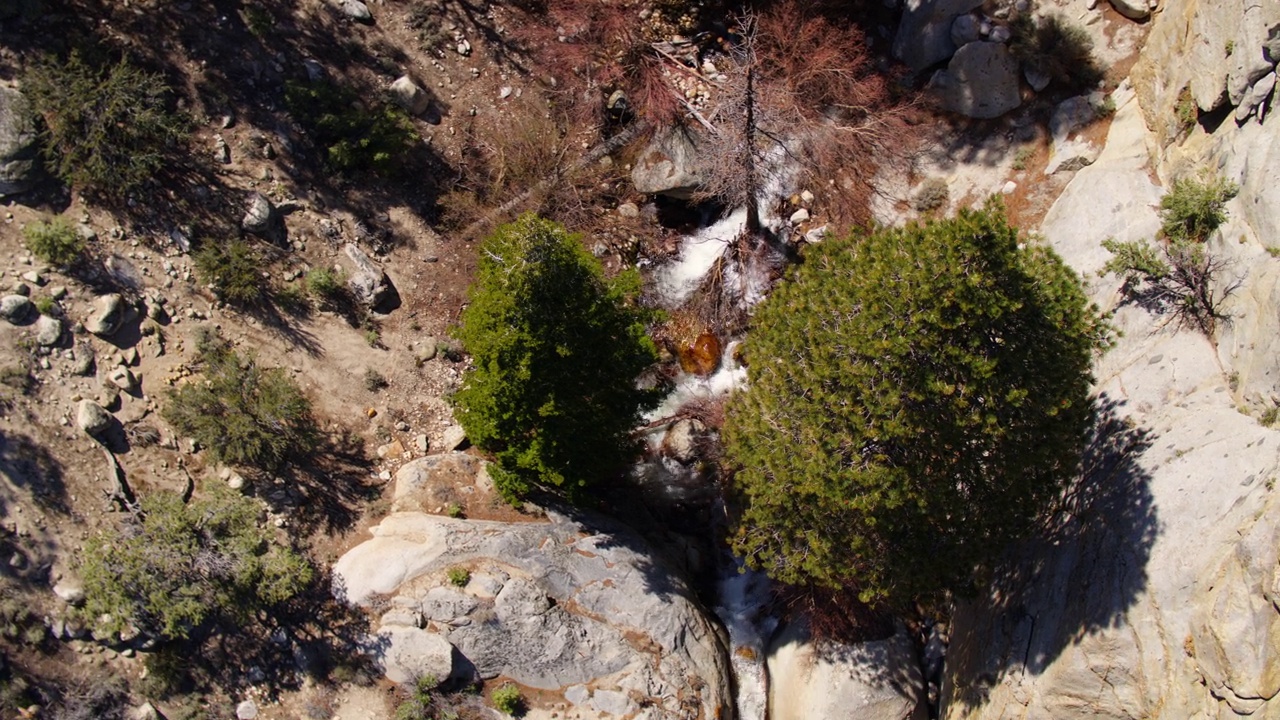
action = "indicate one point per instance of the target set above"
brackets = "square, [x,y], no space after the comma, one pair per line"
[1153,594]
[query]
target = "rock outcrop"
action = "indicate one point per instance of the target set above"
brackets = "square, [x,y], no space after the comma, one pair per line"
[669,166]
[19,149]
[877,680]
[981,81]
[1152,594]
[556,605]
[924,36]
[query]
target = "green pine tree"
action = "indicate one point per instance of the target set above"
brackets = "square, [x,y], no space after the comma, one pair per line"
[556,348]
[916,397]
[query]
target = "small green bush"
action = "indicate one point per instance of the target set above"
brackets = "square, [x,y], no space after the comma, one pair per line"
[1193,208]
[1186,109]
[107,129]
[931,196]
[459,576]
[354,137]
[235,272]
[55,241]
[243,414]
[508,699]
[183,565]
[45,305]
[454,510]
[326,284]
[292,299]
[1056,48]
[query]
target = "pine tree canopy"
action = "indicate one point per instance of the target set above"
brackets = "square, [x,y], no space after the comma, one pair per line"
[556,349]
[916,397]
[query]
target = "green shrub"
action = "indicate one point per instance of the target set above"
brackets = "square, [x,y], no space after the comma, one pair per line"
[556,350]
[1178,272]
[508,699]
[106,129]
[235,272]
[326,284]
[181,566]
[1186,109]
[354,136]
[45,305]
[1022,157]
[1193,209]
[240,412]
[1056,48]
[459,576]
[292,299]
[454,510]
[55,241]
[916,397]
[933,194]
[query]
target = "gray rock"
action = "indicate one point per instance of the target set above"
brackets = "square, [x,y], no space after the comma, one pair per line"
[19,146]
[83,364]
[681,439]
[413,99]
[407,653]
[980,82]
[669,166]
[123,378]
[367,281]
[1132,9]
[452,438]
[877,680]
[221,151]
[1257,95]
[68,590]
[1000,34]
[629,210]
[1037,79]
[109,316]
[1071,115]
[356,10]
[259,215]
[427,483]
[576,608]
[247,710]
[16,309]
[92,418]
[924,34]
[965,29]
[799,216]
[145,711]
[48,331]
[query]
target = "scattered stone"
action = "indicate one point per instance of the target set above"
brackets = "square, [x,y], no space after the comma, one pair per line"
[427,351]
[123,378]
[93,419]
[69,591]
[58,292]
[505,92]
[259,215]
[236,481]
[413,99]
[806,197]
[1009,188]
[452,438]
[421,443]
[799,216]
[48,331]
[393,449]
[315,71]
[83,364]
[221,151]
[463,48]
[1132,9]
[402,426]
[109,317]
[356,10]
[628,210]
[34,277]
[16,309]
[1037,79]
[369,283]
[247,710]
[681,439]
[1000,34]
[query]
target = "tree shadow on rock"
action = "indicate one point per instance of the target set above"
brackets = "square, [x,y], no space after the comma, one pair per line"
[1079,573]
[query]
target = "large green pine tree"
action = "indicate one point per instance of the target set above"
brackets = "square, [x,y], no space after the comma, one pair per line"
[916,396]
[556,349]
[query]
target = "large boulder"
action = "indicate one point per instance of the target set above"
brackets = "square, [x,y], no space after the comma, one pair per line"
[92,418]
[550,605]
[411,98]
[669,166]
[19,149]
[981,81]
[924,36]
[430,483]
[16,309]
[877,680]
[368,282]
[108,317]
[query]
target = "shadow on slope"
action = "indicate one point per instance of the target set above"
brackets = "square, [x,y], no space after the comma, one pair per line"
[1079,574]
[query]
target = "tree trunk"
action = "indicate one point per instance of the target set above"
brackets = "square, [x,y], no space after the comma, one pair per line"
[749,154]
